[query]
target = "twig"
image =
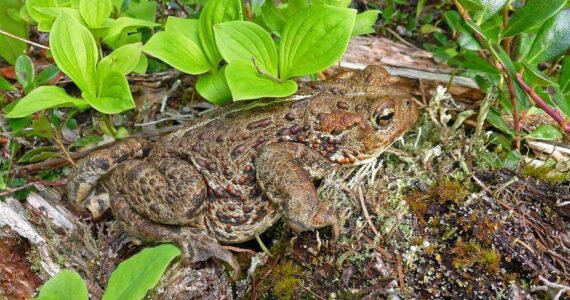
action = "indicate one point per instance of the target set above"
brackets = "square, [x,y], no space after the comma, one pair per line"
[553,112]
[401,39]
[23,40]
[365,211]
[239,250]
[516,120]
[30,184]
[262,245]
[400,272]
[182,7]
[562,288]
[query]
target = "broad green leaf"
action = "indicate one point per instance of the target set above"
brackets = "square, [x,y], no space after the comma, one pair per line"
[75,52]
[65,285]
[178,51]
[504,58]
[25,70]
[5,85]
[429,28]
[512,160]
[123,59]
[141,65]
[135,276]
[95,12]
[185,27]
[546,132]
[492,28]
[114,95]
[122,25]
[314,39]
[533,13]
[552,40]
[525,41]
[87,140]
[42,98]
[144,9]
[246,83]
[11,48]
[471,61]
[364,22]
[468,41]
[214,87]
[215,12]
[242,40]
[490,7]
[47,74]
[273,17]
[453,20]
[45,21]
[472,4]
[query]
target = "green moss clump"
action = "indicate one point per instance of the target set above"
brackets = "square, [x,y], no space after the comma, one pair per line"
[546,172]
[286,280]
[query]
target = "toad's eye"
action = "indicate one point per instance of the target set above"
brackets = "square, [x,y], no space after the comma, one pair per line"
[384,116]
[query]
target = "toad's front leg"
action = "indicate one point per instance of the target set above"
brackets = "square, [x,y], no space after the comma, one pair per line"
[284,172]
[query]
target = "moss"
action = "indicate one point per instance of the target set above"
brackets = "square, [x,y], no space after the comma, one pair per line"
[448,190]
[546,172]
[286,282]
[469,254]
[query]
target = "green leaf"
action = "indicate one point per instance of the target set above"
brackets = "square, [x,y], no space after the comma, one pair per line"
[536,78]
[185,27]
[25,71]
[471,4]
[429,28]
[123,59]
[65,285]
[87,140]
[242,40]
[47,74]
[42,98]
[95,12]
[504,58]
[314,39]
[512,160]
[490,7]
[565,78]
[122,25]
[273,17]
[471,61]
[214,87]
[114,95]
[141,65]
[364,22]
[135,276]
[533,13]
[492,28]
[546,132]
[11,48]
[42,127]
[215,12]
[178,51]
[495,119]
[5,85]
[144,9]
[44,19]
[75,52]
[552,40]
[30,155]
[246,83]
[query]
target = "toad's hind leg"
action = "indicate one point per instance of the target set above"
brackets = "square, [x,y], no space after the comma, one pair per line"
[86,174]
[154,199]
[195,244]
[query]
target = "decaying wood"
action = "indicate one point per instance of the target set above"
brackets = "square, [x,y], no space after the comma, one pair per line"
[410,66]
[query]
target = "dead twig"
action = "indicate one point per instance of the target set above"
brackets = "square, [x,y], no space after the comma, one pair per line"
[365,211]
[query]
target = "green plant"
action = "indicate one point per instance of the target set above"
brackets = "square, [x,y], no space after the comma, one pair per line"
[132,279]
[26,75]
[12,23]
[518,52]
[310,39]
[102,82]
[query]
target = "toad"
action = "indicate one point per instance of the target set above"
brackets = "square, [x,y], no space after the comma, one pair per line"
[235,171]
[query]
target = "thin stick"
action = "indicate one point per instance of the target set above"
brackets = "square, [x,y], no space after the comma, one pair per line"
[262,245]
[516,118]
[182,7]
[30,184]
[366,215]
[553,112]
[23,40]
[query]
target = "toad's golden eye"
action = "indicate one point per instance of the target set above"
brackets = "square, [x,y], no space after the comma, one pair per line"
[384,116]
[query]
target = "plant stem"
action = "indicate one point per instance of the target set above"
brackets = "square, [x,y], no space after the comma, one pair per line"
[516,119]
[23,40]
[182,7]
[552,112]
